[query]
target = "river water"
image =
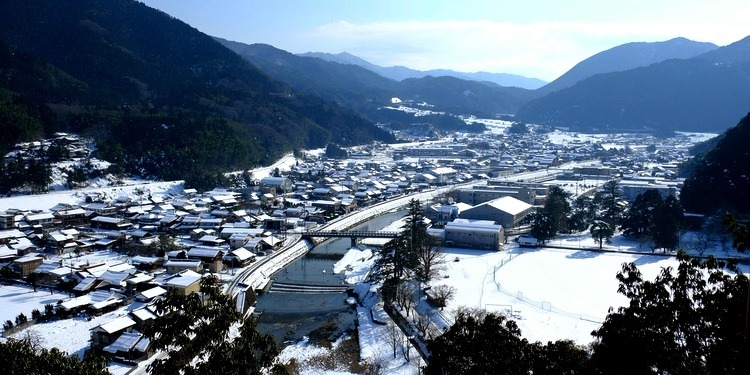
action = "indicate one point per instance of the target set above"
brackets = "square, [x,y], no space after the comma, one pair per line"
[321,316]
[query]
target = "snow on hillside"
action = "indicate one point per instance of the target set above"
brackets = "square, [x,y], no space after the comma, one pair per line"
[133,189]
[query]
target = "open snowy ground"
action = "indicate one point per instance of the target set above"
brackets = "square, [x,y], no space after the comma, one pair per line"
[16,300]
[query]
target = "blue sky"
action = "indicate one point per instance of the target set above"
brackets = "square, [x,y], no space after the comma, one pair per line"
[534,38]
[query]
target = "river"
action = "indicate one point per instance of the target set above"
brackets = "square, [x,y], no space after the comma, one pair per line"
[288,316]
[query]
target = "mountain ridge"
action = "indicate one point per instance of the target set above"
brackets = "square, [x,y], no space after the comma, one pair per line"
[696,94]
[628,56]
[363,90]
[399,73]
[161,98]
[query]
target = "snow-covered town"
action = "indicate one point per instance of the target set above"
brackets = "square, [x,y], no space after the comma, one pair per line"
[83,263]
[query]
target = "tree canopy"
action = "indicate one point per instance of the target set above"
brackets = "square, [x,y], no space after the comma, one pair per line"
[689,320]
[23,357]
[195,331]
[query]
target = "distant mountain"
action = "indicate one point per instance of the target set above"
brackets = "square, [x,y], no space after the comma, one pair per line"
[399,73]
[363,90]
[705,93]
[349,85]
[161,98]
[629,56]
[720,180]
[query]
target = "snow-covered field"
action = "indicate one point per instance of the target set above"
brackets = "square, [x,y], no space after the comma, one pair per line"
[17,300]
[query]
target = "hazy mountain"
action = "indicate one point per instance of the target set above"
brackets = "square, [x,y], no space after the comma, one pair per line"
[719,182]
[629,56]
[346,84]
[363,90]
[705,93]
[160,97]
[399,73]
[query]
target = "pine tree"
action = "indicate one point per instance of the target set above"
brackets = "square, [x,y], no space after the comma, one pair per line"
[195,331]
[553,217]
[608,199]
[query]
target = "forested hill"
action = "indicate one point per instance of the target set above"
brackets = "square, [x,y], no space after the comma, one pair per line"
[705,93]
[720,181]
[160,97]
[364,91]
[629,56]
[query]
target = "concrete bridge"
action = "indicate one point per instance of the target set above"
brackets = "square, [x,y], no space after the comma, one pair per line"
[355,235]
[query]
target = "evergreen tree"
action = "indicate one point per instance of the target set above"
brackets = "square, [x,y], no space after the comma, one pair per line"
[601,232]
[562,357]
[492,345]
[687,321]
[20,357]
[668,222]
[609,202]
[553,217]
[638,222]
[195,331]
[557,207]
[542,227]
[654,220]
[583,213]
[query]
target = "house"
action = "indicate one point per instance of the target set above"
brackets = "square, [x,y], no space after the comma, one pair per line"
[130,346]
[443,174]
[186,282]
[7,220]
[97,301]
[44,219]
[474,234]
[60,242]
[106,334]
[150,294]
[138,281]
[276,185]
[110,223]
[112,279]
[506,211]
[239,257]
[26,265]
[178,265]
[145,263]
[210,240]
[210,256]
[7,254]
[144,316]
[8,235]
[71,216]
[444,213]
[238,240]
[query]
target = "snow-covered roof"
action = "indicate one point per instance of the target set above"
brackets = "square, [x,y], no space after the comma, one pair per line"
[202,252]
[474,226]
[114,278]
[144,314]
[242,253]
[116,325]
[184,279]
[509,204]
[151,293]
[86,284]
[140,278]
